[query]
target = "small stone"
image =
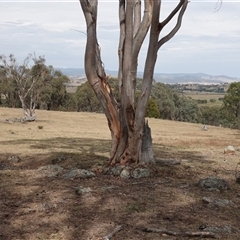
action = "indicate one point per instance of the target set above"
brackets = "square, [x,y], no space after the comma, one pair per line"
[14,159]
[229,149]
[80,190]
[79,173]
[141,173]
[217,202]
[115,171]
[226,229]
[51,170]
[213,183]
[125,173]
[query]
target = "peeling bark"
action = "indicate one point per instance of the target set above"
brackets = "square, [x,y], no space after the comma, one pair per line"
[131,136]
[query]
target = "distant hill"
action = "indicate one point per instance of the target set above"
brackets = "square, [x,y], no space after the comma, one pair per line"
[170,78]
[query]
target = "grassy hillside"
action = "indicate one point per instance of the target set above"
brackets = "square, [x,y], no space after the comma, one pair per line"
[34,206]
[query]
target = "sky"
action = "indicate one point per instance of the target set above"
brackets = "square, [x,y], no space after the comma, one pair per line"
[208,41]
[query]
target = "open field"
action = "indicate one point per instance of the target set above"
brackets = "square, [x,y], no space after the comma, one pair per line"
[206,96]
[36,206]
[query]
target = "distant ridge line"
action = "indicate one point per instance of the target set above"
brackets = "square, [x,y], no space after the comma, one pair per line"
[168,78]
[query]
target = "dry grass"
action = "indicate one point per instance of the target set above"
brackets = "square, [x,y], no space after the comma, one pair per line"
[37,207]
[207,96]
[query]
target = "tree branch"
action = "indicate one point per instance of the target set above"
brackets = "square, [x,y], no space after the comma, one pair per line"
[172,14]
[122,23]
[110,235]
[181,234]
[137,16]
[177,26]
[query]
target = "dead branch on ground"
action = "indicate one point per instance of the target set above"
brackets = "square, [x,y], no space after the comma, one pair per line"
[180,234]
[110,235]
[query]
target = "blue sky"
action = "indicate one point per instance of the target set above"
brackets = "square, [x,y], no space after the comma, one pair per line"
[207,42]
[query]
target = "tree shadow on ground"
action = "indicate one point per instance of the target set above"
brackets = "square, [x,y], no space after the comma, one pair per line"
[34,206]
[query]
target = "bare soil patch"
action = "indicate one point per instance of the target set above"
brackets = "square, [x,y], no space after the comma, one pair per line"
[36,206]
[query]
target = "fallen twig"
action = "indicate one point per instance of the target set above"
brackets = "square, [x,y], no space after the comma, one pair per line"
[110,235]
[182,234]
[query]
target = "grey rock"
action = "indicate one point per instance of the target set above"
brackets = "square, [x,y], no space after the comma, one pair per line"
[217,202]
[225,229]
[126,173]
[115,171]
[213,183]
[79,173]
[47,206]
[141,173]
[229,149]
[14,159]
[51,170]
[80,190]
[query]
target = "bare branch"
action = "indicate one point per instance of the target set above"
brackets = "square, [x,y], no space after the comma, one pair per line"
[172,14]
[137,16]
[110,235]
[142,30]
[218,5]
[122,23]
[181,234]
[177,26]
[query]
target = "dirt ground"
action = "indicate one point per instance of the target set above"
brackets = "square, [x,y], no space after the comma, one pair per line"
[36,206]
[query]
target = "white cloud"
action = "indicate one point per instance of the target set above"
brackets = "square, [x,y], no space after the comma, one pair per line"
[207,41]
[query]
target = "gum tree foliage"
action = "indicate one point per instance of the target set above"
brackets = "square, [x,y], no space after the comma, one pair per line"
[23,78]
[86,99]
[174,106]
[53,94]
[8,91]
[33,85]
[152,109]
[126,118]
[231,103]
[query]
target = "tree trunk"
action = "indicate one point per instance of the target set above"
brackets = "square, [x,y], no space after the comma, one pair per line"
[131,135]
[147,155]
[29,113]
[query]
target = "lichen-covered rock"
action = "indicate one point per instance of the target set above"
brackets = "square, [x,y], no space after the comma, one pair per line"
[125,173]
[140,173]
[14,159]
[51,170]
[78,173]
[211,183]
[80,190]
[114,171]
[217,202]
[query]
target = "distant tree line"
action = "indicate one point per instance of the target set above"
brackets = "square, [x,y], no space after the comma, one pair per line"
[49,92]
[166,103]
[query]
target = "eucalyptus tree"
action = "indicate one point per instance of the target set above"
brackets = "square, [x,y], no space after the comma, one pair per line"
[131,136]
[25,77]
[231,104]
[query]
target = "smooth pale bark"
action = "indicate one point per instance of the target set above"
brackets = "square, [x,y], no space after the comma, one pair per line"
[25,80]
[131,136]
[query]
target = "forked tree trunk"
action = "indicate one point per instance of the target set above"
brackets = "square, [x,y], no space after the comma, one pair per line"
[131,136]
[29,112]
